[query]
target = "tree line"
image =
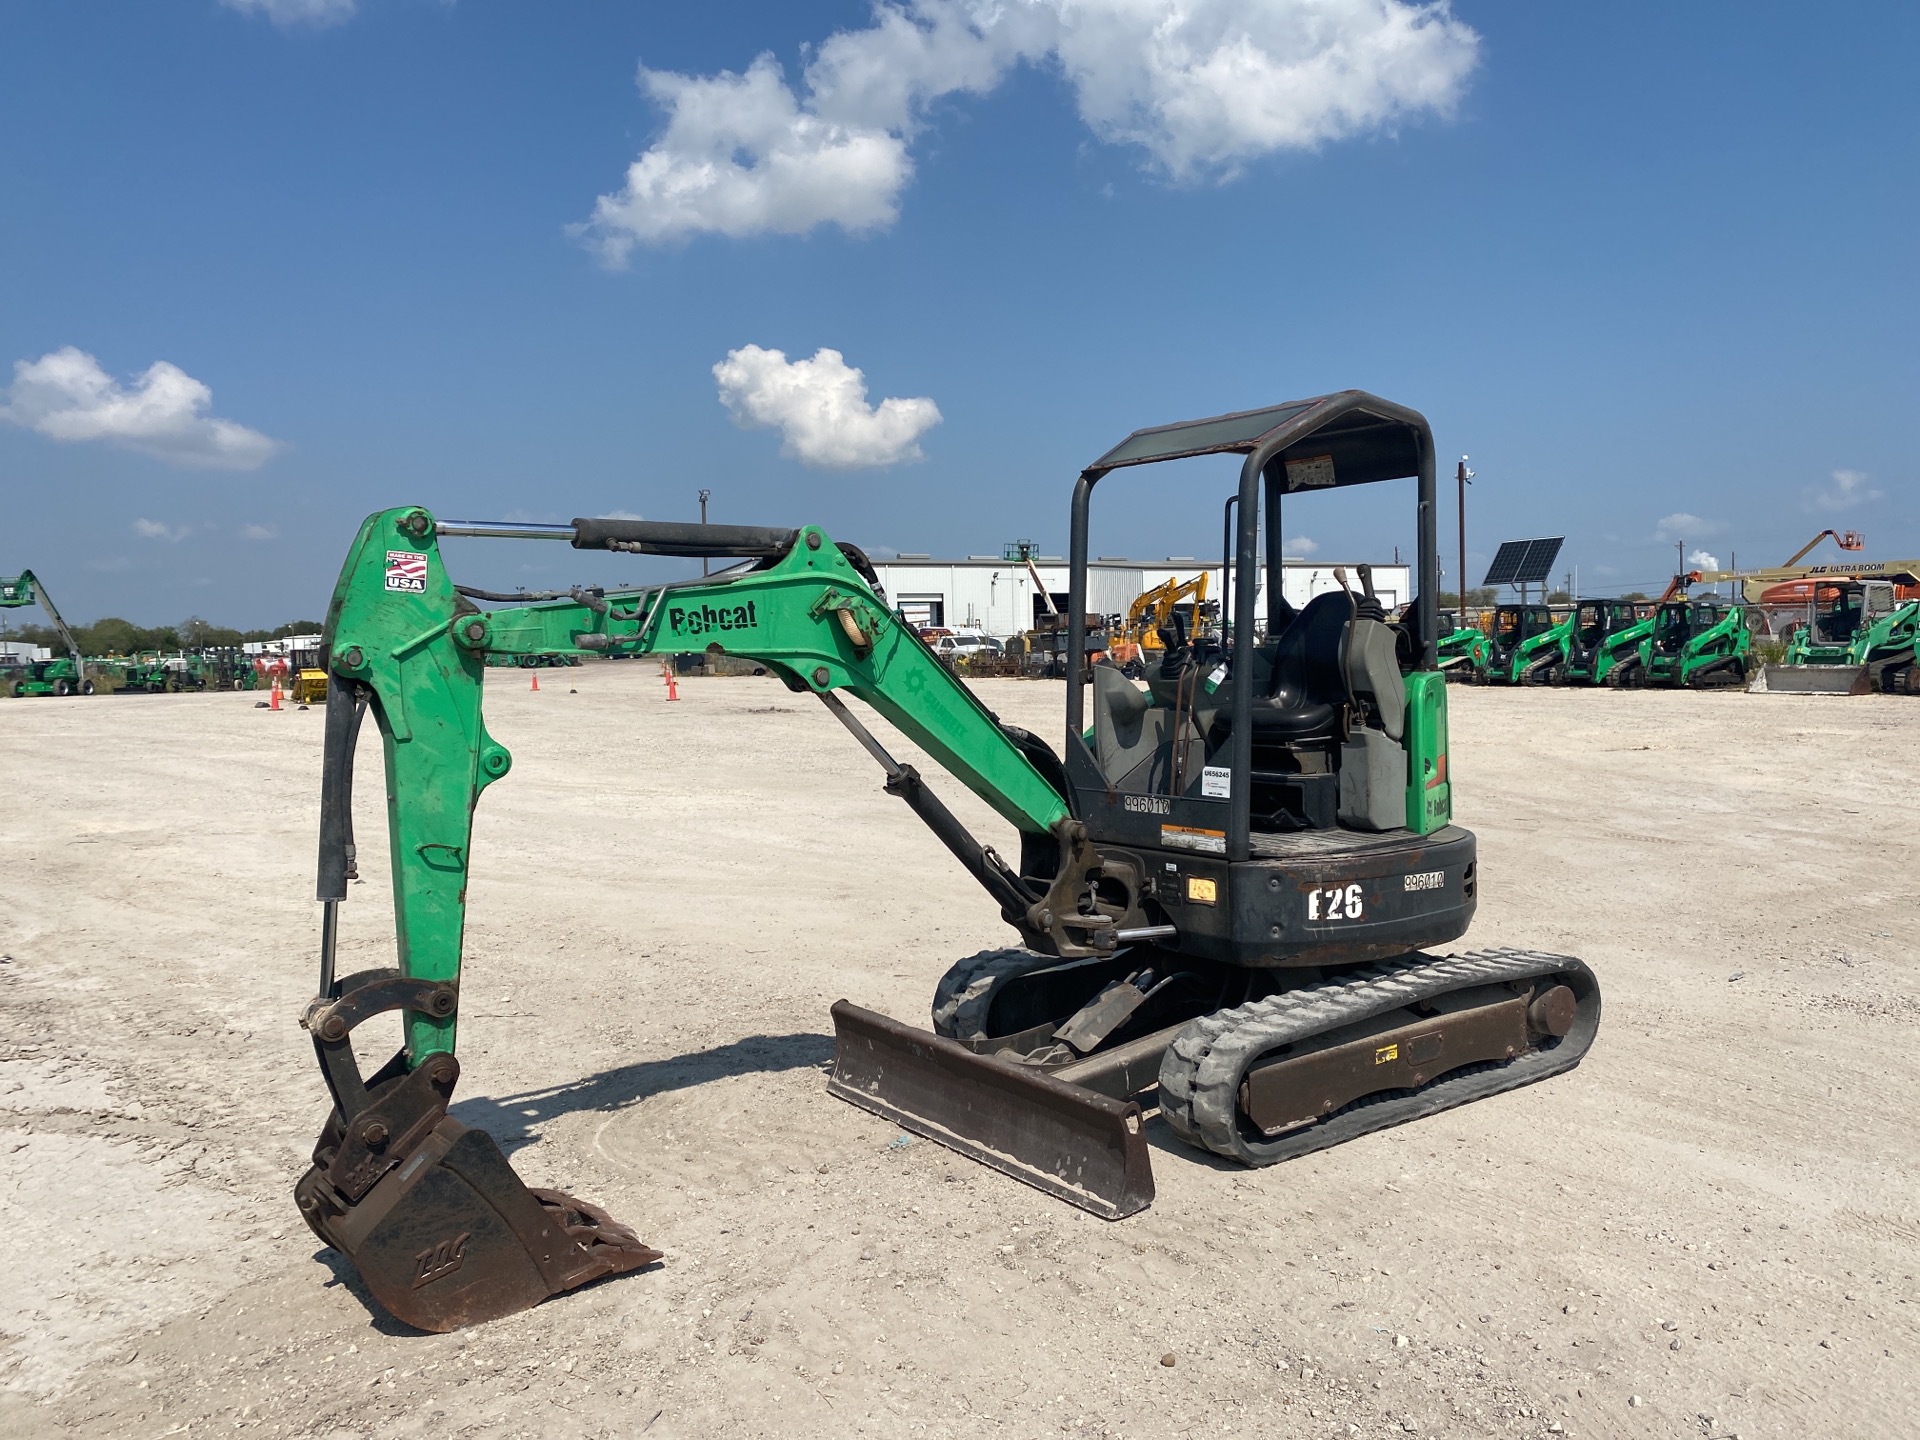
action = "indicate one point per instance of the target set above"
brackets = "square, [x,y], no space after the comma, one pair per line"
[114,636]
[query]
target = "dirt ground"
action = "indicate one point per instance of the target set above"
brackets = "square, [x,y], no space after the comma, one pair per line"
[1709,1229]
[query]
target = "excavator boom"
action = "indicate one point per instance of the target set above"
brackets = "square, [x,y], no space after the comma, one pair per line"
[442,1230]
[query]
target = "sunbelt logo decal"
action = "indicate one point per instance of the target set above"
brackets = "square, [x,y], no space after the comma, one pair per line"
[710,619]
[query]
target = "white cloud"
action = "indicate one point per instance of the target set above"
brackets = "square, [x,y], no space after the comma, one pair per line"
[1202,86]
[296,12]
[1843,491]
[1681,526]
[159,530]
[1299,547]
[623,515]
[259,532]
[1207,85]
[65,395]
[820,408]
[1701,560]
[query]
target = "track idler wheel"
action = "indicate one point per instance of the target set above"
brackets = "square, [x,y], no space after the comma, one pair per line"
[430,1213]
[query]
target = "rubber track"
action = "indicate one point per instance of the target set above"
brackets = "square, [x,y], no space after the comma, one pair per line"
[1201,1072]
[965,993]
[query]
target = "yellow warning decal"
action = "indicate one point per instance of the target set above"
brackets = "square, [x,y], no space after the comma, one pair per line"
[1202,892]
[1386,1053]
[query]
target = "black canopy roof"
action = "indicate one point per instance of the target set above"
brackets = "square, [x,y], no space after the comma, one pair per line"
[1346,438]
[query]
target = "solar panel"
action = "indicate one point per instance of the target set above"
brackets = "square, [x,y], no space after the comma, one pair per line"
[1524,562]
[1505,561]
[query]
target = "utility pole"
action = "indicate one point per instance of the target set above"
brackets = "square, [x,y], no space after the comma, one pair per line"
[704,562]
[1463,475]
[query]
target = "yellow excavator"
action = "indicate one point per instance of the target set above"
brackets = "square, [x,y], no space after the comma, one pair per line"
[1136,643]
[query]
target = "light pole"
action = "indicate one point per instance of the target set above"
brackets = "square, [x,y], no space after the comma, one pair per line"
[703,520]
[1463,475]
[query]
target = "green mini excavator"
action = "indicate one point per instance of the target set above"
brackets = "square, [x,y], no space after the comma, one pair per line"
[1224,882]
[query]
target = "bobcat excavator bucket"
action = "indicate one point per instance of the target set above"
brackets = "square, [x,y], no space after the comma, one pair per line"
[428,1211]
[1819,679]
[442,1231]
[1074,1143]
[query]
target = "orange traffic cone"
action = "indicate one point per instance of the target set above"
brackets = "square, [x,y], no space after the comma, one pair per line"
[673,690]
[536,680]
[276,694]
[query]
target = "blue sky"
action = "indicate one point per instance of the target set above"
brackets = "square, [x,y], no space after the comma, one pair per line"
[1642,261]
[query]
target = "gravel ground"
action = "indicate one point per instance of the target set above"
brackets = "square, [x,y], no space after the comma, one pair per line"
[1708,1229]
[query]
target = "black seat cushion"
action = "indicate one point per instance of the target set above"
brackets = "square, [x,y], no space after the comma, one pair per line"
[1308,687]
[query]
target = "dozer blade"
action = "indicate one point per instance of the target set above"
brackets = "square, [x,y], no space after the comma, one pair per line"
[1819,679]
[1079,1146]
[451,1236]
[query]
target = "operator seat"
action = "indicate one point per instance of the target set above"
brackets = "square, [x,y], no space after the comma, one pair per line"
[1307,689]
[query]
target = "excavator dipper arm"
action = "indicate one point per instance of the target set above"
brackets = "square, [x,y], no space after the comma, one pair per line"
[441,1229]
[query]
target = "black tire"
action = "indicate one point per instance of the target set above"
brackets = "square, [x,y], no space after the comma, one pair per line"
[87,688]
[965,994]
[63,687]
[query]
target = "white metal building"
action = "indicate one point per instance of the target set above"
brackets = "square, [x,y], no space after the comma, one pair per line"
[985,592]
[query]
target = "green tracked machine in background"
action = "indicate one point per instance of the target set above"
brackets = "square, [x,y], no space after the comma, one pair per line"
[1463,648]
[1527,645]
[1222,886]
[1604,647]
[1697,643]
[1859,638]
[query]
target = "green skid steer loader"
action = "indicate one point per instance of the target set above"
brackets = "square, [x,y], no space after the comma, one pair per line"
[1699,644]
[1604,648]
[1858,640]
[1224,883]
[1463,648]
[1527,645]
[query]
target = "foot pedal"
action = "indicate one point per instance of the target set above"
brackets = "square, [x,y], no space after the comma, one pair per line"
[451,1236]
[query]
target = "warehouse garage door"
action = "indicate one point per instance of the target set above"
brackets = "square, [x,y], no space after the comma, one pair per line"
[924,611]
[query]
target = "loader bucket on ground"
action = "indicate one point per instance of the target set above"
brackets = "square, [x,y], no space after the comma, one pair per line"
[451,1237]
[1819,679]
[1079,1146]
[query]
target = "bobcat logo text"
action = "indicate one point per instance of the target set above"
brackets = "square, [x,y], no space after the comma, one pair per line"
[707,619]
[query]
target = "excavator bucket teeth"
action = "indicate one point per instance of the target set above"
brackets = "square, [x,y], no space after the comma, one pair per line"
[451,1237]
[1077,1145]
[1819,679]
